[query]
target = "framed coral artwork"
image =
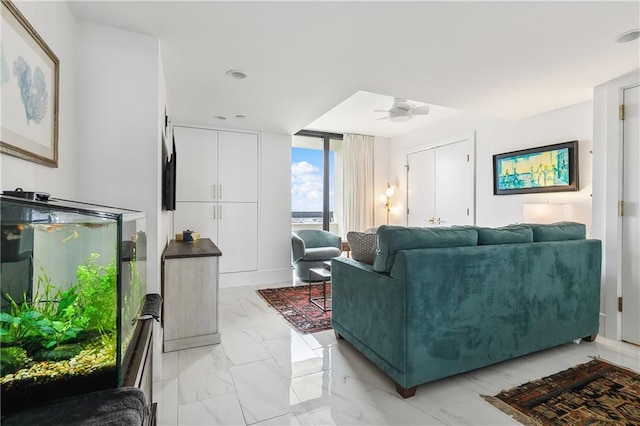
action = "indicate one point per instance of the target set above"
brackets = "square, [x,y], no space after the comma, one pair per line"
[29,76]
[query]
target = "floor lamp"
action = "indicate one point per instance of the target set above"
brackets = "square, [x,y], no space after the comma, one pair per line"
[386,199]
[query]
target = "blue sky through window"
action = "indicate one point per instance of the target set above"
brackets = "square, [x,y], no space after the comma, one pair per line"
[306,179]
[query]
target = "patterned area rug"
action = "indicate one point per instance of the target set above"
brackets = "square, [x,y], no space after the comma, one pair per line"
[595,393]
[293,304]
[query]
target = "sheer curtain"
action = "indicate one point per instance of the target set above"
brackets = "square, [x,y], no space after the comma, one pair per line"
[358,182]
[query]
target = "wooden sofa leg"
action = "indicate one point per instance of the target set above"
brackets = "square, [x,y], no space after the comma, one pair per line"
[591,338]
[406,392]
[338,336]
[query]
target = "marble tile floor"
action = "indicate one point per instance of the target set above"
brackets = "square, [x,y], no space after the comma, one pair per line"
[266,373]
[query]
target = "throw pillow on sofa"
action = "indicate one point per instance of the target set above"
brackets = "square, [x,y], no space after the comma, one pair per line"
[363,246]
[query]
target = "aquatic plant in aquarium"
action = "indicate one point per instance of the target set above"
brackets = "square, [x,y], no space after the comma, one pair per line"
[71,287]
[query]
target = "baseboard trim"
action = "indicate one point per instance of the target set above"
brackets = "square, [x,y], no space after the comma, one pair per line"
[271,276]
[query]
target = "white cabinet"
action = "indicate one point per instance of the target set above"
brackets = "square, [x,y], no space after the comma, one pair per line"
[217,192]
[190,294]
[238,236]
[238,167]
[216,165]
[197,168]
[233,226]
[198,216]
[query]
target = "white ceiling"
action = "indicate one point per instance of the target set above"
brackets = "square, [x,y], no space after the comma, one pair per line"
[303,59]
[356,115]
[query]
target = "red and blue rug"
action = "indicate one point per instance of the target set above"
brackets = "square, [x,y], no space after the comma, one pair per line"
[293,304]
[595,393]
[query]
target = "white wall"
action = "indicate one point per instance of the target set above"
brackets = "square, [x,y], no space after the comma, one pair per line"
[607,190]
[495,136]
[274,217]
[165,218]
[381,177]
[119,127]
[57,26]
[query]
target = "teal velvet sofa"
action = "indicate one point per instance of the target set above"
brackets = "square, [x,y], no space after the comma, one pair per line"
[441,301]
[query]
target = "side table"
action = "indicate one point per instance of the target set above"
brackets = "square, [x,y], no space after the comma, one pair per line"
[190,292]
[323,274]
[346,248]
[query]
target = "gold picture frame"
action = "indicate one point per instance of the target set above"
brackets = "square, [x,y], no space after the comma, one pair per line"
[29,81]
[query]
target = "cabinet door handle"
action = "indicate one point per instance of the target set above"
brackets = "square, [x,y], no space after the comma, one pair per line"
[220,213]
[214,212]
[431,220]
[214,191]
[220,191]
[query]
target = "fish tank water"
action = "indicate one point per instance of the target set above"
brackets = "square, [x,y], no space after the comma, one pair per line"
[72,283]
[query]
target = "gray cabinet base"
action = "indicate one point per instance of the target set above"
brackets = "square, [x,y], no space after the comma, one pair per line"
[191,342]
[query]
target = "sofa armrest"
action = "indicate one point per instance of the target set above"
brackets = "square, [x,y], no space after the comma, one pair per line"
[334,241]
[297,248]
[369,310]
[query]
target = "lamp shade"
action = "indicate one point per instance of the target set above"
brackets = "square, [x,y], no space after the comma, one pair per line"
[390,191]
[542,213]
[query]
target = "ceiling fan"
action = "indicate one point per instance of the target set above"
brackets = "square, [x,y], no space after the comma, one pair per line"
[401,110]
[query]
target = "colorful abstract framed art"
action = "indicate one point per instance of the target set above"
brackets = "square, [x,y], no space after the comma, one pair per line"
[29,77]
[550,168]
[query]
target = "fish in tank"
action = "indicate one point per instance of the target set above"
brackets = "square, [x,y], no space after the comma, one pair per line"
[72,281]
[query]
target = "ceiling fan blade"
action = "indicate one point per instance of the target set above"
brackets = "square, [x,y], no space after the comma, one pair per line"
[381,110]
[402,106]
[382,118]
[421,110]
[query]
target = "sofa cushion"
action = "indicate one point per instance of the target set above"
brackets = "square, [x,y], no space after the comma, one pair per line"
[394,238]
[506,235]
[362,245]
[560,231]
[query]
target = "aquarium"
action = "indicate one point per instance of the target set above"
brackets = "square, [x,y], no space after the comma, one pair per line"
[72,282]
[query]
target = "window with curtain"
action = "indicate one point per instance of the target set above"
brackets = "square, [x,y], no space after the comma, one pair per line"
[358,182]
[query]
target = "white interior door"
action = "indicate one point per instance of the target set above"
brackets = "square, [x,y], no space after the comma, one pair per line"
[454,184]
[197,167]
[441,184]
[420,188]
[631,218]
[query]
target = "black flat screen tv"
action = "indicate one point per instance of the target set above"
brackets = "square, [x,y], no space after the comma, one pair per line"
[169,180]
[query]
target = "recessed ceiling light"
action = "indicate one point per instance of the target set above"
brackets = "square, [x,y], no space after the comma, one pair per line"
[628,36]
[238,75]
[239,116]
[219,117]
